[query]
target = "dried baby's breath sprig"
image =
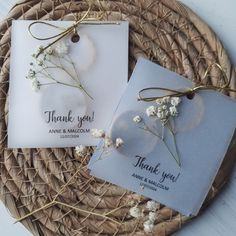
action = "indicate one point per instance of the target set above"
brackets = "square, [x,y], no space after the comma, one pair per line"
[137,119]
[148,226]
[54,57]
[119,142]
[108,142]
[151,111]
[35,85]
[80,150]
[152,205]
[152,216]
[98,133]
[136,212]
[148,217]
[166,108]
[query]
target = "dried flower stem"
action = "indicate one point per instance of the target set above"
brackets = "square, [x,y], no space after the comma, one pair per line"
[74,78]
[175,143]
[161,137]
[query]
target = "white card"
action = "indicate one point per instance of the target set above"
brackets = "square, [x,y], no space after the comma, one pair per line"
[58,115]
[203,130]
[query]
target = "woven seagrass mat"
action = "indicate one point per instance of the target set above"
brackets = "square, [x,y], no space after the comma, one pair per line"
[52,187]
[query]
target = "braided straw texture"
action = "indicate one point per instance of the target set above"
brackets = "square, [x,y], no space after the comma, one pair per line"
[53,185]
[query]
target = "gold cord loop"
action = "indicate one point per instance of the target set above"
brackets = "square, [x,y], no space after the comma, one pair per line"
[60,35]
[191,91]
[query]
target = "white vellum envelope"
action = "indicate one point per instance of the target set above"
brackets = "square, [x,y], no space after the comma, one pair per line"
[204,130]
[59,115]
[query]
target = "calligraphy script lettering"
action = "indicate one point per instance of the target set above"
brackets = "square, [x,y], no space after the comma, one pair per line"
[52,117]
[168,176]
[86,118]
[141,163]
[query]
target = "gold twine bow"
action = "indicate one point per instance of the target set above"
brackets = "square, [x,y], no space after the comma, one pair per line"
[66,31]
[189,92]
[58,36]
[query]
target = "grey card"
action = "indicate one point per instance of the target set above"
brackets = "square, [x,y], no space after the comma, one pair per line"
[204,129]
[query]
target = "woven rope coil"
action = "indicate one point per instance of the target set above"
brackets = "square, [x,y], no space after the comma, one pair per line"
[164,31]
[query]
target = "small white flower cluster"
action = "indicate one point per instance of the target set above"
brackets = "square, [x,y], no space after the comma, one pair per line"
[98,133]
[108,142]
[166,108]
[152,216]
[40,57]
[32,73]
[152,205]
[60,49]
[137,119]
[35,85]
[136,212]
[80,150]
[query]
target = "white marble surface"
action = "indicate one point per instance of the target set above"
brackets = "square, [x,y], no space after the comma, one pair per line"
[220,217]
